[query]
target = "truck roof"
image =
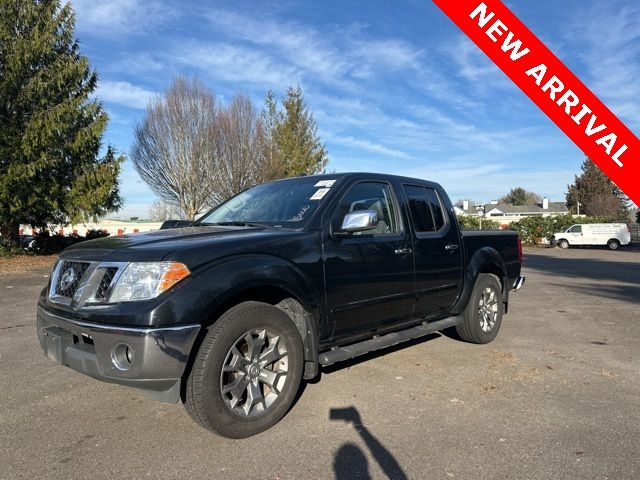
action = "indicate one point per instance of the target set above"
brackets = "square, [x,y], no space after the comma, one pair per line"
[368,175]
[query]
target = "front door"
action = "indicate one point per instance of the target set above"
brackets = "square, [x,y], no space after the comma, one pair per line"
[574,235]
[369,275]
[437,249]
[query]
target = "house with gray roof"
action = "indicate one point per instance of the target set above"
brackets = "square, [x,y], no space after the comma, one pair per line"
[506,213]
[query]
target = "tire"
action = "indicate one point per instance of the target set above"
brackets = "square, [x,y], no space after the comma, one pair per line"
[613,244]
[240,402]
[564,244]
[483,316]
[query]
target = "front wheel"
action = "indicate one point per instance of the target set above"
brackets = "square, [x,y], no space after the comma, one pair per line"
[613,244]
[247,371]
[483,316]
[563,244]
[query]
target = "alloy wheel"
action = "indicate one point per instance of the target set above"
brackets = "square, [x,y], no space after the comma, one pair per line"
[254,372]
[488,309]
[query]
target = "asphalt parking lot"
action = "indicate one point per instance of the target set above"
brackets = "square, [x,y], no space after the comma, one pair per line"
[557,395]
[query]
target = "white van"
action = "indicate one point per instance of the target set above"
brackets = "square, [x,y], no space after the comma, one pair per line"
[610,234]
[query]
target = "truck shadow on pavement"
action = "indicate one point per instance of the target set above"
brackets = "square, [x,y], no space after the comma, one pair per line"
[350,462]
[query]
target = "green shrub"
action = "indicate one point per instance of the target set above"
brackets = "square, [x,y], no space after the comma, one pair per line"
[473,223]
[47,244]
[9,250]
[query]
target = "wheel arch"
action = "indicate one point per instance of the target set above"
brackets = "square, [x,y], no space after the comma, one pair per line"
[484,260]
[266,279]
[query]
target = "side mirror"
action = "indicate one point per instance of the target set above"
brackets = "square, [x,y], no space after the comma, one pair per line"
[359,221]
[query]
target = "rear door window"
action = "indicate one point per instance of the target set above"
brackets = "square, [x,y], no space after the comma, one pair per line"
[421,215]
[426,209]
[436,208]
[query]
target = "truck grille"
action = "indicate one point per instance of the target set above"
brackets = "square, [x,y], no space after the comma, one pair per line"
[103,288]
[75,283]
[69,278]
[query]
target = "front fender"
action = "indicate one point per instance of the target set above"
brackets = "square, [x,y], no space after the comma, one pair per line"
[228,277]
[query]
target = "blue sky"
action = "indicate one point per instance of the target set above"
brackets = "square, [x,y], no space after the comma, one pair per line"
[395,87]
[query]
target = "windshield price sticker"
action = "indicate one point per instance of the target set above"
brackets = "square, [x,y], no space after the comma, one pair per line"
[325,183]
[552,87]
[320,193]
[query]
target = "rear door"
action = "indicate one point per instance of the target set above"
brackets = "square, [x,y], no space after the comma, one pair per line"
[437,251]
[369,275]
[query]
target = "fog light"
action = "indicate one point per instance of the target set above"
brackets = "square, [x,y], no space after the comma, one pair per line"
[122,356]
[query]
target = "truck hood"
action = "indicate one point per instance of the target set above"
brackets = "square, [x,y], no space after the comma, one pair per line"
[172,243]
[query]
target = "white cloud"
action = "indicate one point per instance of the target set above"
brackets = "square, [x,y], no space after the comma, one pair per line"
[124,93]
[610,45]
[301,47]
[484,181]
[474,66]
[391,53]
[367,145]
[223,61]
[333,56]
[142,63]
[104,17]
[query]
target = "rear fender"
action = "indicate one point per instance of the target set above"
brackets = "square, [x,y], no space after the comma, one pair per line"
[485,260]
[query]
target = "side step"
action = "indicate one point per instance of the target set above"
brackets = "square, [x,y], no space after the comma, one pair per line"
[351,351]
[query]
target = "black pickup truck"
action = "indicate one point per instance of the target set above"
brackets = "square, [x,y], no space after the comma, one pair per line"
[230,313]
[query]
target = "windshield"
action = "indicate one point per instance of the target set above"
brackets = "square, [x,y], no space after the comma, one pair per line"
[286,203]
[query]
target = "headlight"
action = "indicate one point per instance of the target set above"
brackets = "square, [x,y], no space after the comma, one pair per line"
[145,280]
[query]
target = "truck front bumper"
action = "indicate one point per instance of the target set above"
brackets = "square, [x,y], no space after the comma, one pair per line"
[150,359]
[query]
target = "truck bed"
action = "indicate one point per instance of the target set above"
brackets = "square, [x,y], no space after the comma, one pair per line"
[503,241]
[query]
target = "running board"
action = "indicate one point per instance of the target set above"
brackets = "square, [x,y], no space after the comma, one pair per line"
[341,354]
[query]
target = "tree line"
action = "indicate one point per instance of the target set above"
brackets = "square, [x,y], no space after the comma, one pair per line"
[592,193]
[195,152]
[190,147]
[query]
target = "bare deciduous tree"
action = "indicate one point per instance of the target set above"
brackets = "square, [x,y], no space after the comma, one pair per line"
[240,160]
[160,211]
[175,145]
[195,154]
[604,205]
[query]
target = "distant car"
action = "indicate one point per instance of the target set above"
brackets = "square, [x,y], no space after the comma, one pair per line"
[613,235]
[27,241]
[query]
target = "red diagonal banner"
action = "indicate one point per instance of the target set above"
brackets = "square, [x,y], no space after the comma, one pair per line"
[552,87]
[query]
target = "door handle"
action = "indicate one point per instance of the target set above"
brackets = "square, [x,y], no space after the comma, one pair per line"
[451,247]
[403,251]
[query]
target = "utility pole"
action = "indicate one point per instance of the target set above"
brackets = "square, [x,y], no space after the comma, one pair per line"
[480,210]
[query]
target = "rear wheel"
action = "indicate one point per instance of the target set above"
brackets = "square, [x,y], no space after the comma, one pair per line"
[613,244]
[564,244]
[483,316]
[247,371]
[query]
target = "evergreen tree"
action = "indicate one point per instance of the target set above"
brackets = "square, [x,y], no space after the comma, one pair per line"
[50,129]
[597,194]
[271,117]
[294,134]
